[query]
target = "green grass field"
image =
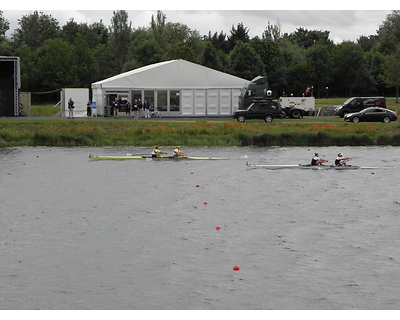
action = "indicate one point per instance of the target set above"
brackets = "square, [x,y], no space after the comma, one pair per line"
[309,131]
[281,132]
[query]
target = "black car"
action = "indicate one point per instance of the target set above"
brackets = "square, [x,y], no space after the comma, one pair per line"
[357,104]
[266,110]
[372,115]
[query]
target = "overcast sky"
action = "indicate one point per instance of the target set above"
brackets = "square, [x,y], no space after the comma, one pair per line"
[344,21]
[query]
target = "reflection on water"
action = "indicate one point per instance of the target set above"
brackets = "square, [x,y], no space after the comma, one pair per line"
[81,234]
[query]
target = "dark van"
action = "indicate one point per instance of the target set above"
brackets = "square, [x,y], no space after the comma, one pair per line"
[359,103]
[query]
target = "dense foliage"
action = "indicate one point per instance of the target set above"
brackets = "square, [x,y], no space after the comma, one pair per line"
[78,54]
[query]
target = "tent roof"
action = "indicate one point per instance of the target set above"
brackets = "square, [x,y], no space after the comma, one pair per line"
[172,74]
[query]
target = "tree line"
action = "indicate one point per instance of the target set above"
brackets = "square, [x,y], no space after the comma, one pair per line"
[77,54]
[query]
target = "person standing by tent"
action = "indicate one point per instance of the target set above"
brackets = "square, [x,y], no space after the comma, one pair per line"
[71,107]
[115,105]
[140,107]
[128,109]
[135,109]
[146,107]
[89,109]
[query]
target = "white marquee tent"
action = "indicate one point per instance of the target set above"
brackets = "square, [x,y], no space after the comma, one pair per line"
[173,88]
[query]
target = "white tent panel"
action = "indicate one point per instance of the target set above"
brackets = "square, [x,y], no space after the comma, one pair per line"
[225,101]
[199,102]
[187,102]
[212,102]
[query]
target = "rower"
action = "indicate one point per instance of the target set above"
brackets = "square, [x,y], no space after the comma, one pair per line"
[179,153]
[317,161]
[341,161]
[156,153]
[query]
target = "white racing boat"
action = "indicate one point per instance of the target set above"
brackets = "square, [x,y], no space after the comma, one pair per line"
[306,166]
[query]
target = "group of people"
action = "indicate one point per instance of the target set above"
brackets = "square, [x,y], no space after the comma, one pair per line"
[339,161]
[71,107]
[136,108]
[156,153]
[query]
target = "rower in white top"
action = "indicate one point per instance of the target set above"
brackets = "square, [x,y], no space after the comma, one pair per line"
[341,161]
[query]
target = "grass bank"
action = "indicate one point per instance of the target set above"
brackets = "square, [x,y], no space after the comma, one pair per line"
[303,132]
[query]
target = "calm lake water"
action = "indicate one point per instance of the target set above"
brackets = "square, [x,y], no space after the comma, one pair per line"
[129,235]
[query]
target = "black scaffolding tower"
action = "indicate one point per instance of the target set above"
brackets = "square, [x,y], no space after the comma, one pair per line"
[10,84]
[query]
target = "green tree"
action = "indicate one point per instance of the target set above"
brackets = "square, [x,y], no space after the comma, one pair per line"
[391,72]
[157,26]
[35,29]
[300,76]
[183,51]
[4,26]
[211,57]
[367,43]
[351,72]
[69,30]
[375,61]
[144,53]
[245,62]
[320,62]
[307,38]
[120,39]
[272,32]
[219,41]
[29,71]
[84,63]
[56,68]
[390,28]
[240,33]
[104,55]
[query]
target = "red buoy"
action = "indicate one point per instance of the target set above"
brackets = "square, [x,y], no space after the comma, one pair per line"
[217,227]
[236,268]
[197,185]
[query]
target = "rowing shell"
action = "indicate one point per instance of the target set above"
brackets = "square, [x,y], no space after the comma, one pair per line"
[131,157]
[305,166]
